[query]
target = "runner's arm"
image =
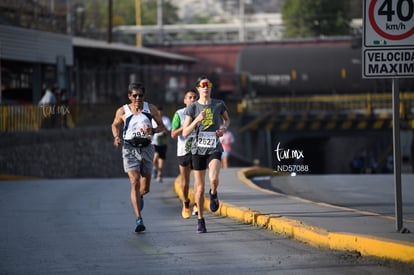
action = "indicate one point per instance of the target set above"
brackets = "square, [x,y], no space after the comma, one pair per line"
[225,125]
[116,125]
[176,128]
[157,117]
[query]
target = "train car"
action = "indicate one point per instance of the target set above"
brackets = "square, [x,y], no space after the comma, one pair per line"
[309,69]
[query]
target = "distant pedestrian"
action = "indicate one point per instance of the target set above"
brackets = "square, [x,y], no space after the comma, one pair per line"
[226,141]
[209,118]
[48,105]
[183,151]
[64,107]
[160,141]
[137,151]
[48,98]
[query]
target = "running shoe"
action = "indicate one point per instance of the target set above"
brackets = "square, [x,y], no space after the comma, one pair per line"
[201,226]
[140,225]
[141,205]
[195,210]
[186,210]
[214,202]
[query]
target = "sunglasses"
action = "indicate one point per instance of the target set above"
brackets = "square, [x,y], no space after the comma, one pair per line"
[207,84]
[137,95]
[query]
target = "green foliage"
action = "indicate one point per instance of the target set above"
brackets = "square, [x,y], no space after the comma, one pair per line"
[123,13]
[149,12]
[96,14]
[310,18]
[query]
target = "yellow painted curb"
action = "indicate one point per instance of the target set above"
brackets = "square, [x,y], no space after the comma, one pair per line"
[16,177]
[318,237]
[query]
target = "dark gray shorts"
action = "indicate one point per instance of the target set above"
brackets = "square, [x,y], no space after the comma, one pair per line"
[138,159]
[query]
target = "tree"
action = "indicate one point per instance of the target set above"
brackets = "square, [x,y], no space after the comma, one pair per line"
[96,12]
[149,12]
[310,18]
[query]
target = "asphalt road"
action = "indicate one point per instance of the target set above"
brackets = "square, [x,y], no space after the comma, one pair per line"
[85,226]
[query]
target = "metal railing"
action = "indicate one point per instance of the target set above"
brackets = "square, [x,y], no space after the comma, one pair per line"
[33,117]
[368,104]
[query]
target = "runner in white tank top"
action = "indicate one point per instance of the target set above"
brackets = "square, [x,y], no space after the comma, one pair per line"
[137,151]
[136,124]
[184,152]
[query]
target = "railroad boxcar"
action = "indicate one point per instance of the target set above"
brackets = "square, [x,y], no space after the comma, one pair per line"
[305,70]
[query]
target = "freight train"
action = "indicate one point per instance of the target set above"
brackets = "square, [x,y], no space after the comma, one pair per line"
[310,69]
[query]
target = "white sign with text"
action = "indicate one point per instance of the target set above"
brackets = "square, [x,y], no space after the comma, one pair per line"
[388,41]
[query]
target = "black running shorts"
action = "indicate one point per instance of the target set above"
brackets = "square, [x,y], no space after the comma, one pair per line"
[185,160]
[200,162]
[161,150]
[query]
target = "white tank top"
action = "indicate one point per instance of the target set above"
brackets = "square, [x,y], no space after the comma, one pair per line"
[183,144]
[135,124]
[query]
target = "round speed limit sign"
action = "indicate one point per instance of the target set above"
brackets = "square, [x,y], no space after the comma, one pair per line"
[389,23]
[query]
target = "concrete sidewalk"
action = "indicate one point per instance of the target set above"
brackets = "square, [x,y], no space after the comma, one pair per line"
[318,224]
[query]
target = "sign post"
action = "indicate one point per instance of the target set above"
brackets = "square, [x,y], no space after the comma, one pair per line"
[388,52]
[397,154]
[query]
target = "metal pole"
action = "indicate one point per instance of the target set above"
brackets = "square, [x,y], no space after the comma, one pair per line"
[397,154]
[138,22]
[269,148]
[159,21]
[241,15]
[109,21]
[68,17]
[1,84]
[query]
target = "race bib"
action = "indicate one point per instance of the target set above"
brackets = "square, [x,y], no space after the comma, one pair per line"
[139,133]
[207,139]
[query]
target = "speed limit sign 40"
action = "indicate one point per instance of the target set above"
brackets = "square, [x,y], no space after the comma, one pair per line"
[388,39]
[388,23]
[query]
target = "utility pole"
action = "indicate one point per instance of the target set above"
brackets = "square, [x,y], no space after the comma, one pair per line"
[241,15]
[109,21]
[138,22]
[159,21]
[68,17]
[1,84]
